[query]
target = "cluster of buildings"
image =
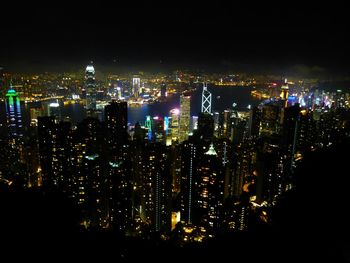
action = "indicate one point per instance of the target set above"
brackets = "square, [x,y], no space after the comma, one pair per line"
[182,177]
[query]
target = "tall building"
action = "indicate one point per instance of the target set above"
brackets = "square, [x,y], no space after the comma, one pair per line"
[205,129]
[148,126]
[90,87]
[95,189]
[158,130]
[54,152]
[175,168]
[289,132]
[156,189]
[188,177]
[116,120]
[175,113]
[91,180]
[244,163]
[240,129]
[217,128]
[13,114]
[254,122]
[270,118]
[206,100]
[226,129]
[270,169]
[136,85]
[209,190]
[120,194]
[185,117]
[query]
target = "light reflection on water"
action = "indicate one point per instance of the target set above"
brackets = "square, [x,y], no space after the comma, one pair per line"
[222,98]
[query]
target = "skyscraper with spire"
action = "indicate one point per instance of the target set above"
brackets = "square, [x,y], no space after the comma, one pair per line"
[90,86]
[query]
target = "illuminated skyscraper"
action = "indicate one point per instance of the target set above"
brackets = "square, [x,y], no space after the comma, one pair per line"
[188,177]
[148,126]
[156,188]
[166,125]
[13,114]
[270,118]
[90,86]
[54,151]
[209,190]
[185,117]
[175,124]
[91,179]
[120,194]
[175,168]
[226,124]
[206,100]
[136,85]
[217,128]
[244,162]
[158,130]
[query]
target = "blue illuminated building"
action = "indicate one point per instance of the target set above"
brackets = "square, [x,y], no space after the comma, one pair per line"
[13,114]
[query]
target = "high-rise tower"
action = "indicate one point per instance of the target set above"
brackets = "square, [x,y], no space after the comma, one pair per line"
[185,117]
[136,85]
[175,124]
[90,86]
[116,119]
[206,100]
[13,114]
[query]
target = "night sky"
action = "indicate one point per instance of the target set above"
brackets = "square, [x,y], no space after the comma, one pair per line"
[63,35]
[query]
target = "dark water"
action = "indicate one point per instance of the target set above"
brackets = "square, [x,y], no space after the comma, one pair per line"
[228,95]
[76,112]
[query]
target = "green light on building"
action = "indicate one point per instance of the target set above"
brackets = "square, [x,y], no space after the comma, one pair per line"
[92,157]
[148,123]
[12,96]
[114,164]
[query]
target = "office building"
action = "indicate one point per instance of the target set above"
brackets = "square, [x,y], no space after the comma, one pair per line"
[185,117]
[13,114]
[90,88]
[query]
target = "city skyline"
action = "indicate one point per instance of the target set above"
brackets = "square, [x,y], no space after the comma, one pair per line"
[186,131]
[205,157]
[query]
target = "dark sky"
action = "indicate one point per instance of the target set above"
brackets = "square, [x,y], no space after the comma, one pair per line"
[61,35]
